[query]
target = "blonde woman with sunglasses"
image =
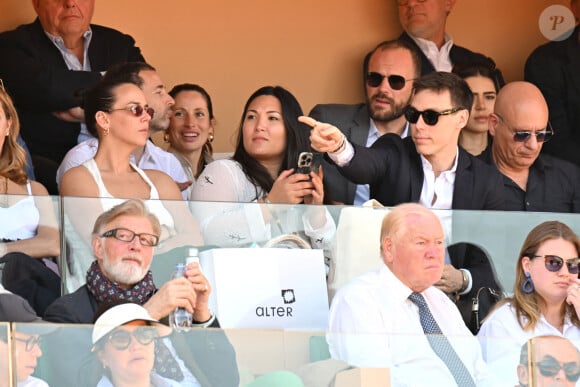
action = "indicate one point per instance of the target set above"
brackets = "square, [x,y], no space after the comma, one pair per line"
[546,297]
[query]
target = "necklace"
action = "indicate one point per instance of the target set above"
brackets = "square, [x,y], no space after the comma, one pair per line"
[4,195]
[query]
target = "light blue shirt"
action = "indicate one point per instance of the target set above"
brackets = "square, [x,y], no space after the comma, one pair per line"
[73,63]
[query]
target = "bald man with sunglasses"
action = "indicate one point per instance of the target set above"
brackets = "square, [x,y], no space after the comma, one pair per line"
[532,181]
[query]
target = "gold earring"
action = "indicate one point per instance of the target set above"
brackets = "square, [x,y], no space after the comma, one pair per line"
[106,131]
[210,138]
[166,137]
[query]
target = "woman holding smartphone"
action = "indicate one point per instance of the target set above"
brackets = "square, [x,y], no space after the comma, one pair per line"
[263,170]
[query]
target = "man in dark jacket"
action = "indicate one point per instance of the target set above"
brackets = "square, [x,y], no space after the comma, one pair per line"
[45,63]
[123,242]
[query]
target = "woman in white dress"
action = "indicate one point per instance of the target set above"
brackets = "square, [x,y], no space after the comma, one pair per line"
[263,170]
[546,298]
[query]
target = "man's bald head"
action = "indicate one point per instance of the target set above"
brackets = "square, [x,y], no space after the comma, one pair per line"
[517,99]
[519,107]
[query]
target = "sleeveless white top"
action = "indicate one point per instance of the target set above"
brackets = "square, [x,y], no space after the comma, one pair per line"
[20,221]
[108,201]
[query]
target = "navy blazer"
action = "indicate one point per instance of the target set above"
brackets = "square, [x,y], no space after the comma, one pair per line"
[394,171]
[354,121]
[36,76]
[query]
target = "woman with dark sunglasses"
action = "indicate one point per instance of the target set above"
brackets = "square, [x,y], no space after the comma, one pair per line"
[546,299]
[117,113]
[124,340]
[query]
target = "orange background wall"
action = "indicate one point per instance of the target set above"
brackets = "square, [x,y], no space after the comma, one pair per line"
[312,47]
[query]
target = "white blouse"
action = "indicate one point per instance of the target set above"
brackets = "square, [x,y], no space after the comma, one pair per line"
[501,338]
[238,225]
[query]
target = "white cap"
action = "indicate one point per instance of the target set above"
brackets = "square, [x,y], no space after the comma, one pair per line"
[121,315]
[192,255]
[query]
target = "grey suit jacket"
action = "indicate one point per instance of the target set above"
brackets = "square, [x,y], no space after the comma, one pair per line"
[354,122]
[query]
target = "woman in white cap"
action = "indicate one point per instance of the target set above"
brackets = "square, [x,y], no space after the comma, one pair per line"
[124,339]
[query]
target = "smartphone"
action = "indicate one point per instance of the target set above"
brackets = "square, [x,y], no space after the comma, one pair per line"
[305,163]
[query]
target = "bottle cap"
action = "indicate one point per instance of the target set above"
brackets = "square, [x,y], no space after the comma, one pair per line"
[192,256]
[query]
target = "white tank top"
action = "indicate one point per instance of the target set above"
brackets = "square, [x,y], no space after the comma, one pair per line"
[108,201]
[20,221]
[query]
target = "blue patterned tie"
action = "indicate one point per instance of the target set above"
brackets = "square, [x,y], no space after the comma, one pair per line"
[440,344]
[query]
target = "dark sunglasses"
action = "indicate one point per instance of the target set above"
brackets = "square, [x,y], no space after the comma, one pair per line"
[396,82]
[524,135]
[554,263]
[125,235]
[30,342]
[121,339]
[549,367]
[429,116]
[137,110]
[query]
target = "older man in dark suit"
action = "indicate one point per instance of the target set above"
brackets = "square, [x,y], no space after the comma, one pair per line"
[45,63]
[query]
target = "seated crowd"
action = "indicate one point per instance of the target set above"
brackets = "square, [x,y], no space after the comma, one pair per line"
[435,133]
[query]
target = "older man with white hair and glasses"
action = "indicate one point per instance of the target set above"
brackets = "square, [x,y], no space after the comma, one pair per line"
[124,238]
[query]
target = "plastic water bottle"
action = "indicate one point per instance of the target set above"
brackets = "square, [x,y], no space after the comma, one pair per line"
[180,319]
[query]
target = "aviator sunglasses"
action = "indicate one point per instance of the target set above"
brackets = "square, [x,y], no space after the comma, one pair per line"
[549,367]
[524,135]
[121,339]
[396,82]
[137,110]
[430,117]
[554,263]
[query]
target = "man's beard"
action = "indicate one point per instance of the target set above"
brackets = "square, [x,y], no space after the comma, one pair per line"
[396,111]
[124,272]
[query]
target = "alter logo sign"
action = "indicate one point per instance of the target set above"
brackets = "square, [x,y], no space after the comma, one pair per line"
[267,288]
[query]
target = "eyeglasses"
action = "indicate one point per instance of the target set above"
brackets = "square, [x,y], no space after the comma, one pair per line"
[429,116]
[550,367]
[30,342]
[137,110]
[121,339]
[554,263]
[524,135]
[396,82]
[124,235]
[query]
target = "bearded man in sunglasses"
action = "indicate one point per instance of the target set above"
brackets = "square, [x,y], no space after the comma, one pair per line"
[533,181]
[554,361]
[124,238]
[388,72]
